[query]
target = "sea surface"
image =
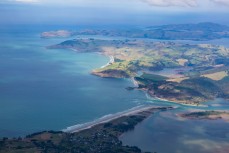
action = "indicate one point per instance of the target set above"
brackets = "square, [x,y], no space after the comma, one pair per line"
[45,89]
[165,132]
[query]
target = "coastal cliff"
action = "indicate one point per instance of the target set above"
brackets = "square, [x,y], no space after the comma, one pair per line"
[111,73]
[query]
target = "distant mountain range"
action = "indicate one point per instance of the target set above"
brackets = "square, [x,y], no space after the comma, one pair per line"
[200,31]
[197,32]
[204,26]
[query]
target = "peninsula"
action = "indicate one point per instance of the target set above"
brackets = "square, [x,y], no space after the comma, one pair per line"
[196,73]
[99,138]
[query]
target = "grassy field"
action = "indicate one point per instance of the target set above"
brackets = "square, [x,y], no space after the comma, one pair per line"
[216,76]
[136,55]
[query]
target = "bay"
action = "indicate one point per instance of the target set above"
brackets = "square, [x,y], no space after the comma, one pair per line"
[43,89]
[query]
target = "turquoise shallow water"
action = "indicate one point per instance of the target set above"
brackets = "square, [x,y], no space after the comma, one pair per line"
[43,89]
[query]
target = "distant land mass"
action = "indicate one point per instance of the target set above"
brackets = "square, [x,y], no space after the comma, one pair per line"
[59,33]
[198,73]
[197,32]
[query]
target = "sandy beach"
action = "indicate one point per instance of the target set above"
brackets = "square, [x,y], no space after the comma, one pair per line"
[175,102]
[110,62]
[107,118]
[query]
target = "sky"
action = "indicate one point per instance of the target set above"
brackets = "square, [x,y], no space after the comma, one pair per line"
[112,12]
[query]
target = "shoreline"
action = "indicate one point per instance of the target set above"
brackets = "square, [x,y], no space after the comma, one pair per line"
[109,63]
[108,118]
[136,85]
[173,102]
[104,134]
[134,82]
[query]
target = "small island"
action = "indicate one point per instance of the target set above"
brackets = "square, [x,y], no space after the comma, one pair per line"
[206,115]
[56,34]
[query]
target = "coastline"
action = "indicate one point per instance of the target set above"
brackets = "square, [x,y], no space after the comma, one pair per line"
[104,134]
[125,67]
[109,63]
[134,82]
[174,102]
[108,118]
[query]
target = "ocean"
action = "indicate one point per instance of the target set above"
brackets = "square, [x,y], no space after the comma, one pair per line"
[44,89]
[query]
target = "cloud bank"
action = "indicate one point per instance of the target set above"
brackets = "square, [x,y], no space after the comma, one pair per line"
[184,3]
[156,3]
[27,1]
[166,3]
[222,2]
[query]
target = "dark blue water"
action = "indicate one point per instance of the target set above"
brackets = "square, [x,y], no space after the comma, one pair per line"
[42,89]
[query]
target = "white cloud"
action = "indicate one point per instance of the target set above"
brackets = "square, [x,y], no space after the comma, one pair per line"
[157,3]
[67,2]
[27,1]
[222,2]
[165,3]
[187,3]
